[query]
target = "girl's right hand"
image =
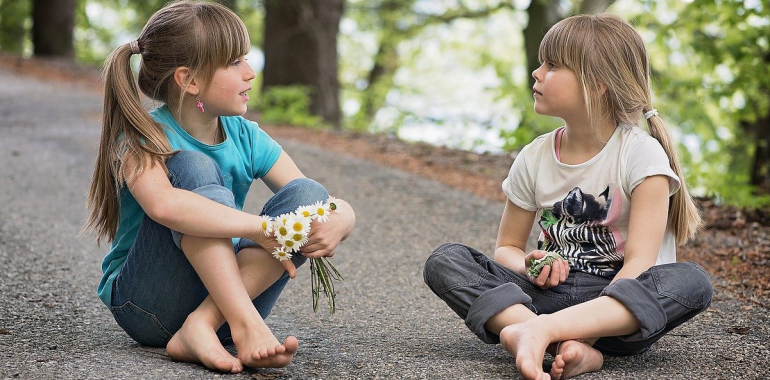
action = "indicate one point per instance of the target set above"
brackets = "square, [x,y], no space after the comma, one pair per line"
[270,244]
[551,275]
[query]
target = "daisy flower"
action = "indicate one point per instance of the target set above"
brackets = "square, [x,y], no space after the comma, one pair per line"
[267,225]
[291,232]
[289,245]
[306,211]
[298,224]
[280,229]
[299,238]
[322,211]
[281,219]
[281,254]
[332,202]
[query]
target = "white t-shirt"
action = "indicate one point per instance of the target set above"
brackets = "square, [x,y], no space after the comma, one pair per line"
[583,210]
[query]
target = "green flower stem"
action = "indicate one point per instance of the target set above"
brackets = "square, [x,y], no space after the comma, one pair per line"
[322,277]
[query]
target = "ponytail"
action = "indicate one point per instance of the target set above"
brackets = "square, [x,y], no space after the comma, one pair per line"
[129,134]
[683,216]
[202,36]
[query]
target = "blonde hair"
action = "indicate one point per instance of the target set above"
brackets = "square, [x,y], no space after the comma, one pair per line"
[606,53]
[201,36]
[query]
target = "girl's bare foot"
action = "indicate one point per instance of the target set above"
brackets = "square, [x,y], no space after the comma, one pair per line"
[574,358]
[196,342]
[262,350]
[527,345]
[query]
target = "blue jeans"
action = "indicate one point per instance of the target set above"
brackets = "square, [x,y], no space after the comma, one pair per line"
[157,288]
[477,288]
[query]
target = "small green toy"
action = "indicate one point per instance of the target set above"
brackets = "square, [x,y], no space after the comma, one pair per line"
[537,265]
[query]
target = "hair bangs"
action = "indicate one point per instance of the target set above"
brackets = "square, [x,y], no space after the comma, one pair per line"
[223,36]
[565,44]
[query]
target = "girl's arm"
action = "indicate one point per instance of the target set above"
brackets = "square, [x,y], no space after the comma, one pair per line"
[188,212]
[646,226]
[515,227]
[324,237]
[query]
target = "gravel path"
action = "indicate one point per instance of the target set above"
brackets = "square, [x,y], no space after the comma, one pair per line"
[388,326]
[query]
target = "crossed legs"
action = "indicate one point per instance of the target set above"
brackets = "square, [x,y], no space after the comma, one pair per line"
[622,318]
[232,281]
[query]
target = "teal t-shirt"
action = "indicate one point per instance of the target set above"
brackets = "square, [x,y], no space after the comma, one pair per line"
[247,154]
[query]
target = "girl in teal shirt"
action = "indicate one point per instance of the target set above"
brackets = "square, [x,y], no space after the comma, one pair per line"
[187,268]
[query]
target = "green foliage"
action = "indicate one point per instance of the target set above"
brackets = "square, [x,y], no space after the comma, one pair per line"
[288,105]
[14,24]
[711,62]
[531,124]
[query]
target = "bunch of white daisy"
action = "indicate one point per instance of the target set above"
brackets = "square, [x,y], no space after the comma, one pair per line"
[291,231]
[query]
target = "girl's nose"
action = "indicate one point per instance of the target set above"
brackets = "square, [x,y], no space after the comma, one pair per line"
[250,73]
[536,73]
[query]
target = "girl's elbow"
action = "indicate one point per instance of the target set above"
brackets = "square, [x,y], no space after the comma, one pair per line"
[160,212]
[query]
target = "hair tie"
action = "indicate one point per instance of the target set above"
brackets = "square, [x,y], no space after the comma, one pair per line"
[135,47]
[650,113]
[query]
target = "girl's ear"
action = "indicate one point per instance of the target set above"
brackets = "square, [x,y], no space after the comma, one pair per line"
[184,81]
[602,89]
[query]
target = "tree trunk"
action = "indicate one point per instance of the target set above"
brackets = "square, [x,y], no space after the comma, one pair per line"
[12,31]
[542,15]
[379,81]
[53,24]
[301,49]
[760,170]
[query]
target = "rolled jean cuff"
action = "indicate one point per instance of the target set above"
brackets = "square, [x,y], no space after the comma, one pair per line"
[490,303]
[216,193]
[642,303]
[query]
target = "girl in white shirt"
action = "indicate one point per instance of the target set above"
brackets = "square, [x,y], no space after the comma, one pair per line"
[609,198]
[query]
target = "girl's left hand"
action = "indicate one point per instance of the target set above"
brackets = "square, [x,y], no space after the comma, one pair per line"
[325,236]
[551,275]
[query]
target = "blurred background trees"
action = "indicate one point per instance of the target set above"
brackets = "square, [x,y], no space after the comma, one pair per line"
[457,72]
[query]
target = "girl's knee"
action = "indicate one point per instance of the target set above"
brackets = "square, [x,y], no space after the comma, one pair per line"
[686,282]
[189,170]
[443,255]
[446,262]
[297,193]
[700,284]
[307,190]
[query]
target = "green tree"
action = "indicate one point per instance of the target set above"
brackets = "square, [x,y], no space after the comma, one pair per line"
[300,46]
[394,22]
[713,61]
[13,16]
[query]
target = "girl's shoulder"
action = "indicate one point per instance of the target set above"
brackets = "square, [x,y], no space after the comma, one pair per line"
[540,145]
[241,126]
[637,140]
[238,122]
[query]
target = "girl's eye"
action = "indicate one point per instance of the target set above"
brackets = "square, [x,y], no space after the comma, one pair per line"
[238,61]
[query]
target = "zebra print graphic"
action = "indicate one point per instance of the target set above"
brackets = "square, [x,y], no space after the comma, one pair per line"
[575,228]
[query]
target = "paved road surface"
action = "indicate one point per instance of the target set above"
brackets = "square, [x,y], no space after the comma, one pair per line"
[389,326]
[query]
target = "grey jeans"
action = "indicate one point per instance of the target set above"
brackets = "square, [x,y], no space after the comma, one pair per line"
[477,288]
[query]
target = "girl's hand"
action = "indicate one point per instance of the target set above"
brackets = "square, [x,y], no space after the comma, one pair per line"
[551,275]
[325,236]
[270,244]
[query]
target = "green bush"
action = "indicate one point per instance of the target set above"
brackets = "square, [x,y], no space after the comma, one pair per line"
[288,105]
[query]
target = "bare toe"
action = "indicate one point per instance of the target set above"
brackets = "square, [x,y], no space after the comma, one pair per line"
[575,358]
[274,357]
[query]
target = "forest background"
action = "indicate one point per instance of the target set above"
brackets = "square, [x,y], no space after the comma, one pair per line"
[457,72]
